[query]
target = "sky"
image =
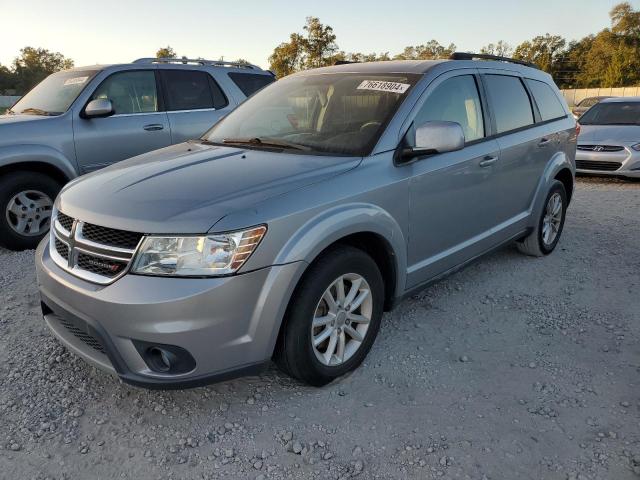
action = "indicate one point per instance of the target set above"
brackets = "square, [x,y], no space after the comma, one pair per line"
[117,31]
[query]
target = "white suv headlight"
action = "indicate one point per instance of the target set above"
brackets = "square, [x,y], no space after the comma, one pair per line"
[210,255]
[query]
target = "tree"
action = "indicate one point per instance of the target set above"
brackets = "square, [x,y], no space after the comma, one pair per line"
[166,52]
[7,79]
[34,65]
[501,49]
[432,50]
[316,47]
[542,50]
[287,57]
[319,44]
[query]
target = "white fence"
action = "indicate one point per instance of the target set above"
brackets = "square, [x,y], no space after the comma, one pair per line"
[574,96]
[7,100]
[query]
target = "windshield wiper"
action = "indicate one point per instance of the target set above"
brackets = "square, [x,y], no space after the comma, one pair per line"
[266,142]
[37,111]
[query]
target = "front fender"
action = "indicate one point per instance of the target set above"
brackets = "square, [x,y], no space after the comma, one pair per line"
[329,226]
[558,162]
[27,153]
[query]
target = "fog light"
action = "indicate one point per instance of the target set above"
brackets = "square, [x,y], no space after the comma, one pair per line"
[169,359]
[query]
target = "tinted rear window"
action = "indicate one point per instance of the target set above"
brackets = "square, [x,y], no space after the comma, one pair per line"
[509,101]
[191,90]
[547,101]
[250,83]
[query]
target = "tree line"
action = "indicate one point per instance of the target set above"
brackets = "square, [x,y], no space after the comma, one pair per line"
[609,58]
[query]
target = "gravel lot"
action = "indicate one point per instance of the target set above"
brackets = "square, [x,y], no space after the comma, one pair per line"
[512,368]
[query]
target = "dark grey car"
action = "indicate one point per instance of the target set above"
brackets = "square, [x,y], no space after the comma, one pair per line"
[288,229]
[84,119]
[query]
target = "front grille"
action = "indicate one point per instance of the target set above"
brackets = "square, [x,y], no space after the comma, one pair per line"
[100,266]
[600,148]
[79,333]
[65,221]
[62,249]
[95,253]
[111,236]
[594,165]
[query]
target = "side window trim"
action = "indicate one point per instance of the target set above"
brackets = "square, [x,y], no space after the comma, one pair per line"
[509,73]
[159,93]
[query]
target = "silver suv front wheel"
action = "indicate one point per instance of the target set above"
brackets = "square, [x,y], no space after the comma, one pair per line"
[333,317]
[29,212]
[26,202]
[341,319]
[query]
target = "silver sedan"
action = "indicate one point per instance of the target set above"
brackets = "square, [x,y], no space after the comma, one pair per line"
[609,140]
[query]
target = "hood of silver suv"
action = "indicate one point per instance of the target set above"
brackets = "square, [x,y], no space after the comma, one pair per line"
[187,188]
[609,134]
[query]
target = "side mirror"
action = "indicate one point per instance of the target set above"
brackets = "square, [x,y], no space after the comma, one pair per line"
[436,137]
[99,108]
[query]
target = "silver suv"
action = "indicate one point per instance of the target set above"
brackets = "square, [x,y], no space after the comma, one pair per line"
[80,120]
[290,226]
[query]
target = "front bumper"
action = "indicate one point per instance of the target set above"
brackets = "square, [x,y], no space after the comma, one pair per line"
[229,325]
[624,163]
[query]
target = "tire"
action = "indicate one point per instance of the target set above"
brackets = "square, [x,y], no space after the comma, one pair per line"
[42,191]
[534,244]
[295,353]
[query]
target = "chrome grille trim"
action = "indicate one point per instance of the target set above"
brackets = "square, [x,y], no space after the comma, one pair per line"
[77,243]
[600,148]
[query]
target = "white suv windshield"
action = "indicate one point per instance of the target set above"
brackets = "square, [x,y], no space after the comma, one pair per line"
[55,94]
[342,114]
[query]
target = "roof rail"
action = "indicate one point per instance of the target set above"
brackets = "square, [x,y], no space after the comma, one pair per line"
[486,56]
[197,61]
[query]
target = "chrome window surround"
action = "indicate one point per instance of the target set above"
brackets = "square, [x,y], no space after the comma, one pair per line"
[77,243]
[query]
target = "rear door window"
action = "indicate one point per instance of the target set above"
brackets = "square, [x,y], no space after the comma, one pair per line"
[250,83]
[191,90]
[547,101]
[509,101]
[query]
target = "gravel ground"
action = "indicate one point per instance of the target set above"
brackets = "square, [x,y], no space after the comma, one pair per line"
[512,368]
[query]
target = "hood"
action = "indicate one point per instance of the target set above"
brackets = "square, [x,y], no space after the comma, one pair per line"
[19,118]
[15,129]
[187,188]
[609,134]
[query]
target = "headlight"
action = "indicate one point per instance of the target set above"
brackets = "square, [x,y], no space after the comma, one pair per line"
[636,147]
[210,255]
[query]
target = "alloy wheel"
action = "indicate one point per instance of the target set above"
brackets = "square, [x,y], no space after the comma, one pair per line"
[552,219]
[341,319]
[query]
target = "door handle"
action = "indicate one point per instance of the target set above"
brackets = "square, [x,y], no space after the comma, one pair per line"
[488,161]
[544,141]
[152,127]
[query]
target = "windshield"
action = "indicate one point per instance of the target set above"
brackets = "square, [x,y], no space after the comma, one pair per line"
[55,94]
[341,113]
[614,113]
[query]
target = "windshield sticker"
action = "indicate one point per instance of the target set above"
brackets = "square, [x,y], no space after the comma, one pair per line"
[75,80]
[392,87]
